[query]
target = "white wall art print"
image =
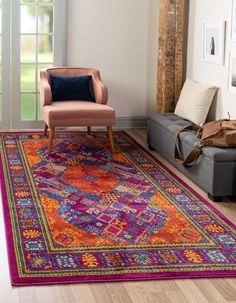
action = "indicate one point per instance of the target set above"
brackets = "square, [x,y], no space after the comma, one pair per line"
[233,21]
[214,42]
[232,73]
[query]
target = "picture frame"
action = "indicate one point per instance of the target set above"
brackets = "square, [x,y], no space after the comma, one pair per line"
[232,73]
[214,42]
[233,21]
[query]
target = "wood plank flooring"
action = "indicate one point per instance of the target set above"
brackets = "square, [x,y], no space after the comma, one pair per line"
[170,291]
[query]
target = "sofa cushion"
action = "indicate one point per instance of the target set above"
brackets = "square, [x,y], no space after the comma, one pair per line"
[171,123]
[71,88]
[195,101]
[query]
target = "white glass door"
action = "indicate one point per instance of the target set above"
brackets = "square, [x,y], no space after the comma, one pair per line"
[0,60]
[5,98]
[38,40]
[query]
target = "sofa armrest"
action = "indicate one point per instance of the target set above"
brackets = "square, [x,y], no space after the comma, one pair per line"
[100,90]
[45,89]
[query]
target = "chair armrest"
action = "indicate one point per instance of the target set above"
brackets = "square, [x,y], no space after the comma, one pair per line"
[100,90]
[45,89]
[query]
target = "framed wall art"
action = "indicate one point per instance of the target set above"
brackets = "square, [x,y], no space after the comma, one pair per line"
[232,73]
[233,21]
[214,42]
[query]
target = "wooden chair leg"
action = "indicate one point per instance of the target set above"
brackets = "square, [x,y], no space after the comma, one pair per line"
[50,142]
[45,129]
[89,130]
[109,130]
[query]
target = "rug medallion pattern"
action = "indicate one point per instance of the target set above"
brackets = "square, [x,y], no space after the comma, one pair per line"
[83,214]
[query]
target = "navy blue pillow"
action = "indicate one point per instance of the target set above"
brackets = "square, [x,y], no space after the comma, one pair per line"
[72,88]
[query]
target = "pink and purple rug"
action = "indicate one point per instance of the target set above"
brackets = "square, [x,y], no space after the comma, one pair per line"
[84,215]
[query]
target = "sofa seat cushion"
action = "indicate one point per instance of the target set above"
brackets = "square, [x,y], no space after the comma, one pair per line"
[169,121]
[74,113]
[172,123]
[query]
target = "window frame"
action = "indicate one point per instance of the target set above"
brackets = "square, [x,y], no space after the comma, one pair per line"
[5,119]
[59,59]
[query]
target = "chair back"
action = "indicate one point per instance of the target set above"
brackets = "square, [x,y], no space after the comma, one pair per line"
[100,90]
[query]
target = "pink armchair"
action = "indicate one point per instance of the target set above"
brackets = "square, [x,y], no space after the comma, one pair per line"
[74,112]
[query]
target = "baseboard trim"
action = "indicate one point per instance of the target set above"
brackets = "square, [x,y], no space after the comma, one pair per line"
[121,123]
[131,122]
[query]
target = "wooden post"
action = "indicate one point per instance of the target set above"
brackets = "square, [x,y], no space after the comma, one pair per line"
[171,53]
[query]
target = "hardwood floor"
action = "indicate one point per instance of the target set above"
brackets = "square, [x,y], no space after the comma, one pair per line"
[174,291]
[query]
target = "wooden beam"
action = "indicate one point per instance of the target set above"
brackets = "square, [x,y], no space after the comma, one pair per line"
[171,53]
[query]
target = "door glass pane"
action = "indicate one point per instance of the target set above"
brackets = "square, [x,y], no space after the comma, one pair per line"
[45,1]
[36,52]
[28,111]
[1,107]
[45,48]
[0,46]
[1,16]
[28,19]
[43,66]
[28,1]
[0,60]
[0,77]
[28,77]
[28,48]
[45,19]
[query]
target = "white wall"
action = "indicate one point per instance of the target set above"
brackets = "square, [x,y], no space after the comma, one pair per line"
[118,37]
[211,10]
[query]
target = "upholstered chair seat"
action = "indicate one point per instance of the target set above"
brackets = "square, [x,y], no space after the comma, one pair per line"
[74,113]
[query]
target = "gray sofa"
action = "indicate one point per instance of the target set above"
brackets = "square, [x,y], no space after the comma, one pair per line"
[215,169]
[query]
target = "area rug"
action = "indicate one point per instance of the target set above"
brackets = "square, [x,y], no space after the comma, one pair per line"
[83,214]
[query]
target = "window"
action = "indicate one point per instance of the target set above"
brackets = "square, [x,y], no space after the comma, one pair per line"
[0,60]
[36,52]
[38,40]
